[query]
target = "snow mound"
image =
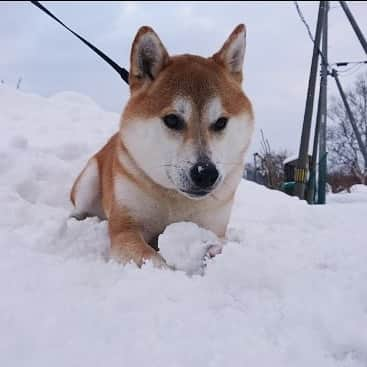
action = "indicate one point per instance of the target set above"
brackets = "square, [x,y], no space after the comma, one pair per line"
[184,246]
[359,189]
[288,290]
[73,98]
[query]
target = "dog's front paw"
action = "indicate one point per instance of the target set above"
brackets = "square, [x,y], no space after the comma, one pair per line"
[158,261]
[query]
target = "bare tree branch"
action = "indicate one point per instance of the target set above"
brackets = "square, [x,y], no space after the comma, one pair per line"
[344,151]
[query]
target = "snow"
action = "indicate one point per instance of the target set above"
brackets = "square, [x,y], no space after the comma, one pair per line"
[289,288]
[290,159]
[191,245]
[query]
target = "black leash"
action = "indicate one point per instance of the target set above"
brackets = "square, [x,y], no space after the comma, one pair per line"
[124,74]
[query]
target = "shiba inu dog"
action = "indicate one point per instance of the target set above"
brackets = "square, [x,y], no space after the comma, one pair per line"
[179,152]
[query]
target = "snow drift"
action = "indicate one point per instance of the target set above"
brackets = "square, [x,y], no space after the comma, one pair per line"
[289,288]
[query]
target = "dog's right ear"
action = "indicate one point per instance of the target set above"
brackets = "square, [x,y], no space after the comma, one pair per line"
[148,57]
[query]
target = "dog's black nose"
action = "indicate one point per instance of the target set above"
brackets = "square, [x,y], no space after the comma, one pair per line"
[204,175]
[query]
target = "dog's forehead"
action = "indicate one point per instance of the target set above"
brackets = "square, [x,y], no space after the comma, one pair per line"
[192,78]
[191,84]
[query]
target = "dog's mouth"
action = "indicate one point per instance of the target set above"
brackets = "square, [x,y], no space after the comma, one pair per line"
[200,193]
[196,194]
[190,189]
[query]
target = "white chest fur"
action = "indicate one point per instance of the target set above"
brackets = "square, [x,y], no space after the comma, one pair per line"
[155,211]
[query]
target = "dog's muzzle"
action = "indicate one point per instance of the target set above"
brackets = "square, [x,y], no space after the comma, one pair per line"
[204,177]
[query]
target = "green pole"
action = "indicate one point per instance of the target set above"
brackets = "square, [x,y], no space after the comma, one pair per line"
[311,185]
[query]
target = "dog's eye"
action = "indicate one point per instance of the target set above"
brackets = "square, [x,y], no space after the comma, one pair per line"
[220,124]
[173,122]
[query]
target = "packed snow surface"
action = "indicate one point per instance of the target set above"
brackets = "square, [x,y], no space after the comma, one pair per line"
[288,289]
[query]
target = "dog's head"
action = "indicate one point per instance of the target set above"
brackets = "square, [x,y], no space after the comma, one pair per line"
[187,123]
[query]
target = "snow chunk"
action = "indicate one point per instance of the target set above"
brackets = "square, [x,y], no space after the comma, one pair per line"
[185,246]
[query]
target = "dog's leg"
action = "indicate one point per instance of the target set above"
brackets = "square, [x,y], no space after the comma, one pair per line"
[128,244]
[86,192]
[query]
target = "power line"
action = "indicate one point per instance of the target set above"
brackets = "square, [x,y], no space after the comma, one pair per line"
[309,32]
[304,21]
[300,14]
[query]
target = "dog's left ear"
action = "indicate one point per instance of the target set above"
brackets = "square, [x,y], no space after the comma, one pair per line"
[232,53]
[147,59]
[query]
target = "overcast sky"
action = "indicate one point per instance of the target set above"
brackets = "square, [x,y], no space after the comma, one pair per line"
[277,63]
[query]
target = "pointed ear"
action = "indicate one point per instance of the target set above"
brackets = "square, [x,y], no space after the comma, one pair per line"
[232,53]
[148,57]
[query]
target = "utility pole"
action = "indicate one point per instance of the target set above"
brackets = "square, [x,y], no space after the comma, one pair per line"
[320,128]
[302,163]
[301,177]
[322,179]
[354,25]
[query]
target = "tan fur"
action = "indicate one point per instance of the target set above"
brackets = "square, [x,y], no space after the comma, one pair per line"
[137,207]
